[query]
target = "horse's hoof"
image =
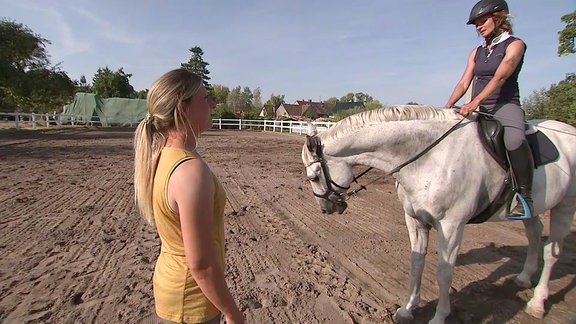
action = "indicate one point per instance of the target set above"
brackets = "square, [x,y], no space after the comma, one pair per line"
[537,313]
[403,316]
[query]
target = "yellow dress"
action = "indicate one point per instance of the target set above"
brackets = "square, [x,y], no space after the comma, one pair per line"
[177,296]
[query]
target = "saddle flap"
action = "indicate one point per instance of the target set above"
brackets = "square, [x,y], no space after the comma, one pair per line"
[491,135]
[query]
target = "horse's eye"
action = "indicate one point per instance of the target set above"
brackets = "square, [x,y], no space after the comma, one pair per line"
[313,179]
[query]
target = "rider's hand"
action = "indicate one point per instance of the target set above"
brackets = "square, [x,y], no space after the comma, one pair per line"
[468,108]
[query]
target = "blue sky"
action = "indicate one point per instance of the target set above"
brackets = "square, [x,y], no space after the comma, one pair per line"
[395,51]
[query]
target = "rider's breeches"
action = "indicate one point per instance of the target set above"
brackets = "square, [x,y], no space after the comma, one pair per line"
[512,117]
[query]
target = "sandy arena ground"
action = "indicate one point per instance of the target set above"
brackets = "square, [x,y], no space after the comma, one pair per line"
[74,250]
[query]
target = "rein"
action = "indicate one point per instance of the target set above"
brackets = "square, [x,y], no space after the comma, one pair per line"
[398,168]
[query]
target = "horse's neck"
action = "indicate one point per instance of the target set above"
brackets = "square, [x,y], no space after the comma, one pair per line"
[390,144]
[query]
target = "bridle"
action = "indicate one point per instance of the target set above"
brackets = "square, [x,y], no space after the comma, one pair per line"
[335,196]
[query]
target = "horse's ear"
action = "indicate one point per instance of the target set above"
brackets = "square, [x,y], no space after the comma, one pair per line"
[312,131]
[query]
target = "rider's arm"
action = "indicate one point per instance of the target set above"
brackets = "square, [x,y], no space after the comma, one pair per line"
[464,82]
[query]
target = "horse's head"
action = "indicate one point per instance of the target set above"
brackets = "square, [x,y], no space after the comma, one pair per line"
[329,177]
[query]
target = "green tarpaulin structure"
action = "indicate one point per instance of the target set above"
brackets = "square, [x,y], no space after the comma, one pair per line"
[89,107]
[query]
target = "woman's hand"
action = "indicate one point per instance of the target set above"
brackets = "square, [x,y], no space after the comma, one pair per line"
[468,108]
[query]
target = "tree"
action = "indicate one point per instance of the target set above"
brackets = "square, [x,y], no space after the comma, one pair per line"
[234,100]
[47,90]
[27,81]
[567,35]
[535,104]
[82,85]
[331,101]
[220,93]
[142,94]
[272,104]
[562,100]
[197,65]
[348,97]
[373,104]
[110,84]
[257,99]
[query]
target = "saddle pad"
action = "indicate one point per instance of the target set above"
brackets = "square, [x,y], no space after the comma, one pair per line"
[543,150]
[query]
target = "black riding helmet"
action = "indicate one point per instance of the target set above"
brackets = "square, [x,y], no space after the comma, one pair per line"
[484,7]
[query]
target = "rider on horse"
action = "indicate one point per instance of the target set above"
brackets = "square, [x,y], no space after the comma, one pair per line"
[494,67]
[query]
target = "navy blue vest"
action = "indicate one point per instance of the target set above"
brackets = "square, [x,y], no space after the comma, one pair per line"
[484,70]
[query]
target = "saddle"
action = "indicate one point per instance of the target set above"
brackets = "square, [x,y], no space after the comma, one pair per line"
[491,134]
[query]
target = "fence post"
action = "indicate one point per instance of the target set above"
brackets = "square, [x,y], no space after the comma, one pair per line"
[47,120]
[240,124]
[17,121]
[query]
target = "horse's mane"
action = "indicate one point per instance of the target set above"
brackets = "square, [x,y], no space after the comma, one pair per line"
[387,114]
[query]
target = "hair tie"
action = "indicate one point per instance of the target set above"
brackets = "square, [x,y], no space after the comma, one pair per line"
[148,119]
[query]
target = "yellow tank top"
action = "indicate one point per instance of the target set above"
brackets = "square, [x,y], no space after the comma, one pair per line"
[177,296]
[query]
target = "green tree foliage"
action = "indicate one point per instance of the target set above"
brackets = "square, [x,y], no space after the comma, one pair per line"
[355,97]
[197,65]
[220,93]
[373,104]
[272,104]
[310,113]
[234,100]
[223,111]
[27,81]
[82,85]
[142,94]
[350,97]
[567,35]
[331,101]
[257,100]
[558,102]
[535,104]
[108,84]
[562,100]
[47,90]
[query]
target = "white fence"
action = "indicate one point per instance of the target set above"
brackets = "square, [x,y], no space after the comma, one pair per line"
[31,120]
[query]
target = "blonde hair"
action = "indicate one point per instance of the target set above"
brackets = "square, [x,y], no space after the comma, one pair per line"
[166,114]
[502,20]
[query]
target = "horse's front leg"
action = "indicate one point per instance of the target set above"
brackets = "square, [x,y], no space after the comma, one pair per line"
[533,227]
[418,232]
[449,238]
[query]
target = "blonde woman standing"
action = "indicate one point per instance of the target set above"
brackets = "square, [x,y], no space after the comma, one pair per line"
[176,190]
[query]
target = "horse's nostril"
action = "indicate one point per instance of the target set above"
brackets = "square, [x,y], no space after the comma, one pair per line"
[323,211]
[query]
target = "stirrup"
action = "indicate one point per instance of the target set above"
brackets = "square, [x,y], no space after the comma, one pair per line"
[520,200]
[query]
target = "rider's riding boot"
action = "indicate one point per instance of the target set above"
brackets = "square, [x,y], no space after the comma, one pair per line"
[522,165]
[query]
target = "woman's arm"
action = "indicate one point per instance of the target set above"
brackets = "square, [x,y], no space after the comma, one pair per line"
[514,53]
[464,82]
[191,188]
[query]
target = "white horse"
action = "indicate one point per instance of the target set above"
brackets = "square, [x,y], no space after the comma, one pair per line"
[443,188]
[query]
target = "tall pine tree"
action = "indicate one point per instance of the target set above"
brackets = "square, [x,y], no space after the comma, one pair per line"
[197,65]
